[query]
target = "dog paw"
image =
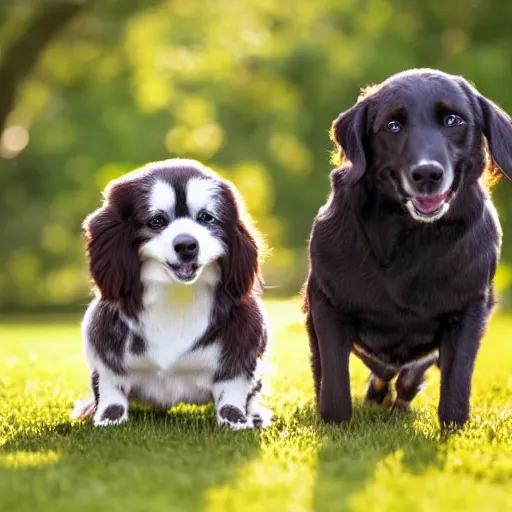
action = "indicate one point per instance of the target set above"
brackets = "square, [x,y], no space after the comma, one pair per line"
[83,409]
[113,414]
[234,418]
[453,425]
[452,418]
[378,392]
[400,405]
[261,416]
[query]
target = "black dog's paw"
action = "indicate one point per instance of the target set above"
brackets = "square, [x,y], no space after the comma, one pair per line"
[452,427]
[336,415]
[400,405]
[451,419]
[378,392]
[234,418]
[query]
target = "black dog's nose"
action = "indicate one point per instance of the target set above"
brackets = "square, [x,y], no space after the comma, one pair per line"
[186,248]
[427,174]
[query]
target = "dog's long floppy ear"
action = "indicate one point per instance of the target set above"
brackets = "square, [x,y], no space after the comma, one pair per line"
[348,131]
[113,261]
[241,270]
[497,129]
[240,266]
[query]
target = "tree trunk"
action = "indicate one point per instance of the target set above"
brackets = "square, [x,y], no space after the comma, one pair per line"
[22,55]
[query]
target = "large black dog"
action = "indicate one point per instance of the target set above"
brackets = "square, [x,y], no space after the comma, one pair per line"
[404,252]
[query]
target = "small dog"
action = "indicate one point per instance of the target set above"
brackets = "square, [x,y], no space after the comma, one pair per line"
[177,317]
[403,255]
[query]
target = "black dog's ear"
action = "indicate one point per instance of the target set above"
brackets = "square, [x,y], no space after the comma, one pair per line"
[348,132]
[497,128]
[113,261]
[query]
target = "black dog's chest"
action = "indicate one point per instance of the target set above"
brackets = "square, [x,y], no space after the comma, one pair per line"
[409,293]
[400,310]
[396,343]
[400,322]
[399,286]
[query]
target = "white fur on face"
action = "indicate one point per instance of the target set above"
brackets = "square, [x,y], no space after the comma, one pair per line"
[162,197]
[158,252]
[161,247]
[202,195]
[155,274]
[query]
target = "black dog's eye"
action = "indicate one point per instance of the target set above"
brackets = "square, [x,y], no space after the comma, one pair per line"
[394,127]
[452,120]
[157,222]
[205,217]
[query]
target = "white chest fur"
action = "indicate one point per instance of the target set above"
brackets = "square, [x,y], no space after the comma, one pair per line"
[174,319]
[169,371]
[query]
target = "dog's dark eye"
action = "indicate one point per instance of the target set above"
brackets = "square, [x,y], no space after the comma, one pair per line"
[394,127]
[205,218]
[452,120]
[157,222]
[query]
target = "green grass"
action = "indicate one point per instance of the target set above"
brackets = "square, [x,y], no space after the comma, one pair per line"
[181,460]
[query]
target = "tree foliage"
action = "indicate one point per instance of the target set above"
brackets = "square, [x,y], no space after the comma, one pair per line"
[250,87]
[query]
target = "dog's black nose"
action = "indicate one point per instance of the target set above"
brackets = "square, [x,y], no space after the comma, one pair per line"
[186,248]
[427,174]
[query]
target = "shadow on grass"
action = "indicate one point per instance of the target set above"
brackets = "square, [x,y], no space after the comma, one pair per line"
[349,456]
[159,460]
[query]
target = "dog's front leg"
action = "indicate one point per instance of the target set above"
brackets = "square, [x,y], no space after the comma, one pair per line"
[457,354]
[335,336]
[230,402]
[112,408]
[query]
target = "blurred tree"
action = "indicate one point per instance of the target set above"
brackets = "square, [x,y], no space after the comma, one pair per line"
[249,87]
[22,54]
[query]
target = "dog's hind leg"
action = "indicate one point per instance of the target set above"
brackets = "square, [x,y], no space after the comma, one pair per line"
[86,408]
[378,390]
[409,383]
[316,365]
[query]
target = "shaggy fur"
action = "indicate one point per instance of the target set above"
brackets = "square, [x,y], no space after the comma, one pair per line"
[403,255]
[177,317]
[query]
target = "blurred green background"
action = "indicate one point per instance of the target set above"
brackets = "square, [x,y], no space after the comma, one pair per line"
[92,89]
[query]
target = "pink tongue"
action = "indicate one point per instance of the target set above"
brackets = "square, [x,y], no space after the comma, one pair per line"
[429,204]
[187,269]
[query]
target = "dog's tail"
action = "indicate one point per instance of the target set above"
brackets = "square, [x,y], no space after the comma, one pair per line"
[84,409]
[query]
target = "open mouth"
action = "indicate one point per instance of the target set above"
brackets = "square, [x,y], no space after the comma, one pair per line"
[429,208]
[184,272]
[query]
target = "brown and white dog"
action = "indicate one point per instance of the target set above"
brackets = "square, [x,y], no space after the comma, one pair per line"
[177,317]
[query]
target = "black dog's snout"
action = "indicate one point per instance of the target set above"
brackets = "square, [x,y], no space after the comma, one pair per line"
[186,248]
[427,174]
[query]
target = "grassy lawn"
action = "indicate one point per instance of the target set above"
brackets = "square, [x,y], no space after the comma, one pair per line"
[181,460]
